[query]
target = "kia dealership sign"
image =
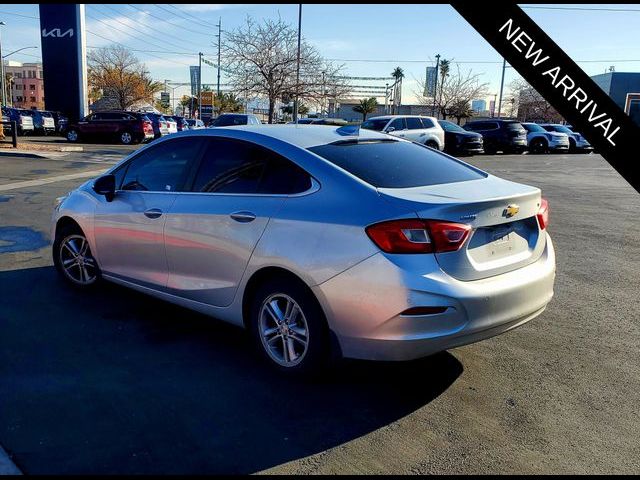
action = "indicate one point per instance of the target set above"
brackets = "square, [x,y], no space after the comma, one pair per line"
[64,58]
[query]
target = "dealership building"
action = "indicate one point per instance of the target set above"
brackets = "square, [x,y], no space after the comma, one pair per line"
[617,85]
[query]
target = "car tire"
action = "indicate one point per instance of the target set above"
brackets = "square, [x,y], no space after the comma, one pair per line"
[73,135]
[297,344]
[539,145]
[79,269]
[126,137]
[572,146]
[432,144]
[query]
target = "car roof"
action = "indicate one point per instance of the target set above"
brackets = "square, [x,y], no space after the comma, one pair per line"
[389,117]
[304,137]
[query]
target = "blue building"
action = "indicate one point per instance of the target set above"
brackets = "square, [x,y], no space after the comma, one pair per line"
[617,85]
[478,105]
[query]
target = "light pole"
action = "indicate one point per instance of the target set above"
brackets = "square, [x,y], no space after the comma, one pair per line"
[199,85]
[295,104]
[219,43]
[504,67]
[2,80]
[435,84]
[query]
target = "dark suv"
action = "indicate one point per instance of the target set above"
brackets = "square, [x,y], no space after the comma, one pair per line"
[507,136]
[457,141]
[123,127]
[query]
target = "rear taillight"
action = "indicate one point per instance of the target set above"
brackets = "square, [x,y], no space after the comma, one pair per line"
[418,236]
[543,214]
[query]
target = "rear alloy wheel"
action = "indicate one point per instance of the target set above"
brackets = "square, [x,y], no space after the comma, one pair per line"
[126,138]
[73,259]
[289,327]
[72,135]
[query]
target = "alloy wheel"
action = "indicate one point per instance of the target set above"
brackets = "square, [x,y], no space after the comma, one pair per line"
[76,260]
[126,138]
[283,330]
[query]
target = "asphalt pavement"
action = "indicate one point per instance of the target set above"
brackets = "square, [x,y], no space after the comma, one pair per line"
[114,381]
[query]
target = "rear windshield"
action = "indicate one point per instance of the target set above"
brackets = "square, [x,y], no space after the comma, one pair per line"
[514,126]
[229,120]
[396,164]
[532,127]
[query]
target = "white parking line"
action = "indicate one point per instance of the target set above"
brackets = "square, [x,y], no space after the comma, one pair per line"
[7,467]
[44,181]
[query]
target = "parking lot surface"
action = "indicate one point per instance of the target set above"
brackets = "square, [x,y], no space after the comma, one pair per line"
[114,381]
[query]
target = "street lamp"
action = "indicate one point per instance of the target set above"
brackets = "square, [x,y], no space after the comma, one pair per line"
[16,51]
[2,80]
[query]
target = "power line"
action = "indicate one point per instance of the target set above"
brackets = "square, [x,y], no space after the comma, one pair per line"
[583,9]
[18,15]
[183,15]
[191,30]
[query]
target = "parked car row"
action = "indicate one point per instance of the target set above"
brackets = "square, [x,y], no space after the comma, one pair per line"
[481,136]
[38,122]
[125,127]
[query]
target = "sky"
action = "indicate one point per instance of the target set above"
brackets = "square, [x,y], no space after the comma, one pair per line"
[369,40]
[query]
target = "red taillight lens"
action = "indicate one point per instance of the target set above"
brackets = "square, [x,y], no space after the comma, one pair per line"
[543,214]
[418,236]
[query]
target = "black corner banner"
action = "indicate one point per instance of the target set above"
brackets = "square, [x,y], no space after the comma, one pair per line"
[63,58]
[560,81]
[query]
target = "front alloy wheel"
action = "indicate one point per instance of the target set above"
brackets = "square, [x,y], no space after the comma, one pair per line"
[72,135]
[126,138]
[76,261]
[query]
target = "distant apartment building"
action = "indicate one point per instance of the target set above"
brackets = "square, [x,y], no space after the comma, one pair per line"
[478,105]
[618,85]
[26,84]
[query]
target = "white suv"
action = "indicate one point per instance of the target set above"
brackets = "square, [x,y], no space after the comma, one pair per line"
[412,127]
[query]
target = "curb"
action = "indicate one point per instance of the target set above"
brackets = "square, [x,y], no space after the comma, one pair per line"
[7,467]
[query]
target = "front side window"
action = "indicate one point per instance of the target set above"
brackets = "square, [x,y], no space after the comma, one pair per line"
[234,166]
[163,168]
[398,124]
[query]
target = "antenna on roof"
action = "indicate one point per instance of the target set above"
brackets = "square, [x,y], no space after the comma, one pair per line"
[349,130]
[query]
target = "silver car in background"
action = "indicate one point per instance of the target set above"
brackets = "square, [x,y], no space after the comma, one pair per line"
[319,240]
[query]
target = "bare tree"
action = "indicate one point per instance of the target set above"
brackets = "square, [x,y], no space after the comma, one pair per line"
[261,59]
[529,104]
[117,74]
[455,89]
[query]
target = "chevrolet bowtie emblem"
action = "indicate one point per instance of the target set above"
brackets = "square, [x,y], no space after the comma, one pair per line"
[511,210]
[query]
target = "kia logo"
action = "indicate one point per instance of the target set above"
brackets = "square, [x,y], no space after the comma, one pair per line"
[56,33]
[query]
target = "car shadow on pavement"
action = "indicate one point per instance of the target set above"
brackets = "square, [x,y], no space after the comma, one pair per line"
[114,381]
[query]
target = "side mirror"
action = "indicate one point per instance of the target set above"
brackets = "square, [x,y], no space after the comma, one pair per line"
[391,129]
[106,185]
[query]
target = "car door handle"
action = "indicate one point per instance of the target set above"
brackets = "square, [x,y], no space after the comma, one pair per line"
[153,213]
[243,217]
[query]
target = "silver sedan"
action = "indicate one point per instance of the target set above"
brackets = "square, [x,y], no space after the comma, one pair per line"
[318,240]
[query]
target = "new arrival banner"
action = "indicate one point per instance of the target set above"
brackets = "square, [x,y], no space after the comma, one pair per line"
[560,81]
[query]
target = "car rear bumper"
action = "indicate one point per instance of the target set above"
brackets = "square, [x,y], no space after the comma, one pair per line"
[364,305]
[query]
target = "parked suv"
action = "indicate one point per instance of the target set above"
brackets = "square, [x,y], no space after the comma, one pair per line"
[23,119]
[231,119]
[181,122]
[507,136]
[194,124]
[540,140]
[123,127]
[61,122]
[457,141]
[419,129]
[577,143]
[43,122]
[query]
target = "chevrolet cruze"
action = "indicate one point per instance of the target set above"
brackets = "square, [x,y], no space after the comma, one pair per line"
[318,240]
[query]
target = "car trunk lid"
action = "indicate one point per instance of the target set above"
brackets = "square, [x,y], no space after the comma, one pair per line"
[505,232]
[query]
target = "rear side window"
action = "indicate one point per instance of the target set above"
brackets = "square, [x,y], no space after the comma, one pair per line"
[427,123]
[398,124]
[375,124]
[396,164]
[163,168]
[414,123]
[234,166]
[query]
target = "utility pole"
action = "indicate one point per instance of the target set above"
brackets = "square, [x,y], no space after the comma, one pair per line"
[200,85]
[323,94]
[295,104]
[3,79]
[386,97]
[435,85]
[504,66]
[219,41]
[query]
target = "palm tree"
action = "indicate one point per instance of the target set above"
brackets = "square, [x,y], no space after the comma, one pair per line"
[398,74]
[366,106]
[445,66]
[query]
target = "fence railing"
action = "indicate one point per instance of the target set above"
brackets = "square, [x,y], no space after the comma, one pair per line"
[14,132]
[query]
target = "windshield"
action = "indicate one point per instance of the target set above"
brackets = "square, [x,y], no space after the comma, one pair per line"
[562,128]
[517,126]
[451,127]
[396,164]
[533,127]
[375,124]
